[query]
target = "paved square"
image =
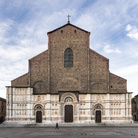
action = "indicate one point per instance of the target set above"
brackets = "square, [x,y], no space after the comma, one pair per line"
[70,132]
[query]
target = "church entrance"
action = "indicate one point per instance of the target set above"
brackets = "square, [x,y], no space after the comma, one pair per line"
[68,113]
[134,118]
[38,117]
[98,116]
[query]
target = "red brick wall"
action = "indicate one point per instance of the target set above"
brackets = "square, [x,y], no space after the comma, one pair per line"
[90,71]
[39,73]
[117,84]
[76,77]
[99,73]
[21,81]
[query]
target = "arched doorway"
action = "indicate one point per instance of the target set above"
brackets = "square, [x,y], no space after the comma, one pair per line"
[68,113]
[38,111]
[134,117]
[1,119]
[68,107]
[98,109]
[98,116]
[38,117]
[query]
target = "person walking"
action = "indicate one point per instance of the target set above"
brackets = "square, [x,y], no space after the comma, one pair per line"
[57,126]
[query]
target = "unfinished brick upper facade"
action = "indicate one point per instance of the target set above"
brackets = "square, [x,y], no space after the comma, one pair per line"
[89,74]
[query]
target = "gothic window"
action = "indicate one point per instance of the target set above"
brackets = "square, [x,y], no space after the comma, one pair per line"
[68,58]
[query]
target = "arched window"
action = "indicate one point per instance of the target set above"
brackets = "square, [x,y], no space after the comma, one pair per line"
[68,58]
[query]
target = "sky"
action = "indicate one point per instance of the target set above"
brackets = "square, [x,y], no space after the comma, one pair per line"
[113,25]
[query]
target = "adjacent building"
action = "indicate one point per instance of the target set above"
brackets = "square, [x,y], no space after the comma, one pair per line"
[135,108]
[68,83]
[2,109]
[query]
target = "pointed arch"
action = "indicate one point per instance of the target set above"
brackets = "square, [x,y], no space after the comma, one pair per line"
[68,58]
[98,106]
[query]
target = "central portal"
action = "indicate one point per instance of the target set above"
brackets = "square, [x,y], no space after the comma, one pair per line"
[68,113]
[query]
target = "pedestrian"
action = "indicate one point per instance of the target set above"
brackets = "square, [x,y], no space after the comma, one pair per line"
[57,126]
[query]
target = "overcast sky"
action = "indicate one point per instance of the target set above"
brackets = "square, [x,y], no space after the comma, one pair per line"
[24,25]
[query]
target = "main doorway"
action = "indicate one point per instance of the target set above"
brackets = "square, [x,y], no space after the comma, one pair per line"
[98,116]
[68,113]
[38,117]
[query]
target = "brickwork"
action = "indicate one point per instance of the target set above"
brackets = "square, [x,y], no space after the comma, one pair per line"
[73,78]
[39,73]
[21,81]
[99,73]
[89,74]
[117,84]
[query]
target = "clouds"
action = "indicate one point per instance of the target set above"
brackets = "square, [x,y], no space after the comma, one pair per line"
[130,72]
[5,26]
[107,49]
[106,21]
[132,31]
[18,43]
[24,26]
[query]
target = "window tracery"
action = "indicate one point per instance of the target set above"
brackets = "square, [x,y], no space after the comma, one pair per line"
[68,58]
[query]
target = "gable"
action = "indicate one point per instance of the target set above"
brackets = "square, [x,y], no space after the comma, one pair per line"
[22,81]
[39,56]
[117,84]
[95,54]
[68,25]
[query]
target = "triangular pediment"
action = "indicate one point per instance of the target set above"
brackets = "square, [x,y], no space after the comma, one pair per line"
[68,24]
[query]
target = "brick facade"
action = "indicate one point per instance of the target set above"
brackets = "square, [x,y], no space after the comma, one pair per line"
[84,85]
[89,74]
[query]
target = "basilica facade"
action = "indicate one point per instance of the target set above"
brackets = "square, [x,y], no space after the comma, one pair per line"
[68,83]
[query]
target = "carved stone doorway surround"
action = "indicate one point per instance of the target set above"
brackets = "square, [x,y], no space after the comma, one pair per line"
[68,106]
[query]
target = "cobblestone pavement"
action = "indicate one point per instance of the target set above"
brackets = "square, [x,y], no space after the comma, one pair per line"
[70,132]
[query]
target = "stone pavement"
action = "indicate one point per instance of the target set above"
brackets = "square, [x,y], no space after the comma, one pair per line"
[41,125]
[70,132]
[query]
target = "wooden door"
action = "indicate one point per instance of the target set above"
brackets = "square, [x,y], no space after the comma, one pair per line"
[68,113]
[98,116]
[38,117]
